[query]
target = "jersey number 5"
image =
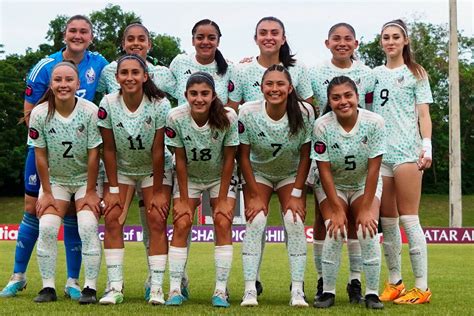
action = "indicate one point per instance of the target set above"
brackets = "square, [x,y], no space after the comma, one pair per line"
[350,162]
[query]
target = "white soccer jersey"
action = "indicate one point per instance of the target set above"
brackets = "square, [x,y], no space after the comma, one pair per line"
[67,140]
[204,146]
[321,75]
[274,154]
[247,78]
[348,152]
[161,76]
[397,92]
[184,65]
[134,132]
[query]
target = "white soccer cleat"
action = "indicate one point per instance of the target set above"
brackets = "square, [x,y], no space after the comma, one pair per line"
[250,298]
[298,299]
[156,297]
[112,297]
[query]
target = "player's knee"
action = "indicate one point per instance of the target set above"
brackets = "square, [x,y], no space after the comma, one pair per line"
[182,226]
[222,223]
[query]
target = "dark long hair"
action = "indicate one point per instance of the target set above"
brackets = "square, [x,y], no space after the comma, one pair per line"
[217,113]
[347,26]
[285,56]
[149,87]
[49,96]
[337,81]
[218,57]
[293,110]
[416,69]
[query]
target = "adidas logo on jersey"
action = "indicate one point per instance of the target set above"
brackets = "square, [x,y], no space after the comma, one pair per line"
[335,146]
[187,138]
[256,84]
[261,134]
[326,82]
[52,131]
[120,125]
[188,72]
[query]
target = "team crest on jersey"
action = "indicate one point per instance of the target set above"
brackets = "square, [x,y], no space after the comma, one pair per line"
[102,113]
[364,140]
[241,127]
[148,122]
[28,90]
[401,81]
[90,75]
[170,132]
[215,136]
[230,86]
[320,147]
[33,133]
[80,130]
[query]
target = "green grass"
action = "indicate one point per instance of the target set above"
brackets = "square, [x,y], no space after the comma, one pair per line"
[450,279]
[434,211]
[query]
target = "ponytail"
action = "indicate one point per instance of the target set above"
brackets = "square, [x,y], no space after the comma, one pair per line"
[218,57]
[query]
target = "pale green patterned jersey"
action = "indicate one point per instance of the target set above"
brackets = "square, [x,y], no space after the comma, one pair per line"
[204,146]
[161,76]
[396,95]
[321,75]
[247,78]
[67,140]
[184,65]
[134,132]
[274,154]
[348,152]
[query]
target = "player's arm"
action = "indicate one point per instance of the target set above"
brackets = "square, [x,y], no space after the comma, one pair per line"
[27,108]
[234,105]
[222,205]
[110,163]
[46,200]
[91,199]
[181,207]
[424,120]
[159,200]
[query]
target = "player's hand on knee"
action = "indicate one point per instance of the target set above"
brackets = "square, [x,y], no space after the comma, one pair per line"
[297,206]
[111,200]
[181,209]
[160,204]
[367,224]
[45,201]
[337,225]
[254,206]
[91,201]
[225,208]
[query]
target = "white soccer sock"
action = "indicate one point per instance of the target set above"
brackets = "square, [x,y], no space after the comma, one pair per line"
[418,253]
[392,245]
[223,264]
[296,246]
[177,257]
[252,247]
[157,268]
[317,255]
[91,248]
[114,262]
[355,259]
[47,248]
[331,260]
[370,247]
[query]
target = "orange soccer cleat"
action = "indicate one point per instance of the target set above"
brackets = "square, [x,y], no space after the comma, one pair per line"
[392,292]
[414,296]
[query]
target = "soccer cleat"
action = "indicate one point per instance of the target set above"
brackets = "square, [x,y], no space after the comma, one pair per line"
[259,287]
[250,298]
[147,286]
[175,299]
[47,294]
[372,301]
[72,289]
[298,299]
[414,296]
[88,296]
[319,289]
[354,291]
[15,284]
[185,288]
[156,297]
[325,301]
[220,299]
[392,291]
[111,297]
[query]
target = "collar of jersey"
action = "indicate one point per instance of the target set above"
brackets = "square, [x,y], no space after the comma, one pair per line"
[342,70]
[128,112]
[268,118]
[193,123]
[212,65]
[72,115]
[354,130]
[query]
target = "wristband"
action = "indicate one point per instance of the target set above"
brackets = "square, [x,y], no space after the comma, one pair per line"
[427,148]
[114,190]
[296,193]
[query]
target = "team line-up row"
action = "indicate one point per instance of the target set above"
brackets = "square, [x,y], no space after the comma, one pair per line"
[276,137]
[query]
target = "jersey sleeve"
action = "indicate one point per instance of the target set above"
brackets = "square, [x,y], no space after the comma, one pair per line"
[243,133]
[304,85]
[103,114]
[235,84]
[162,112]
[423,91]
[232,135]
[308,115]
[173,137]
[93,134]
[377,139]
[36,130]
[38,81]
[319,151]
[163,78]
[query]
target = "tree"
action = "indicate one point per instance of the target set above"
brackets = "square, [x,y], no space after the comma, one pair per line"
[430,46]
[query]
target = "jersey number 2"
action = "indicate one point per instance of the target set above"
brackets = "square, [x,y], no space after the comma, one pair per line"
[66,153]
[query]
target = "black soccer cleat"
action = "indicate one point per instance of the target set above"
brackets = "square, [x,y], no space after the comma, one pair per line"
[47,294]
[372,301]
[259,287]
[319,289]
[325,301]
[88,296]
[354,290]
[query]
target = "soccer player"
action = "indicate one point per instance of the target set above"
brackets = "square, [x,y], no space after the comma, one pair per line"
[136,40]
[132,123]
[348,146]
[275,141]
[63,130]
[402,96]
[207,58]
[204,136]
[77,36]
[342,43]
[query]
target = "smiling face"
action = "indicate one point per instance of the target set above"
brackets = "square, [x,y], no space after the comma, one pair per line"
[343,100]
[131,76]
[200,97]
[136,41]
[275,88]
[78,36]
[269,37]
[393,41]
[64,83]
[205,42]
[341,43]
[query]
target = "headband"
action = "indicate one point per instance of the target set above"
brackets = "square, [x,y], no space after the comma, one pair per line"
[395,24]
[205,76]
[67,63]
[135,57]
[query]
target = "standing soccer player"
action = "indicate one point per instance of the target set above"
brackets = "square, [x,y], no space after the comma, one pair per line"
[204,136]
[402,96]
[132,123]
[275,141]
[77,36]
[348,146]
